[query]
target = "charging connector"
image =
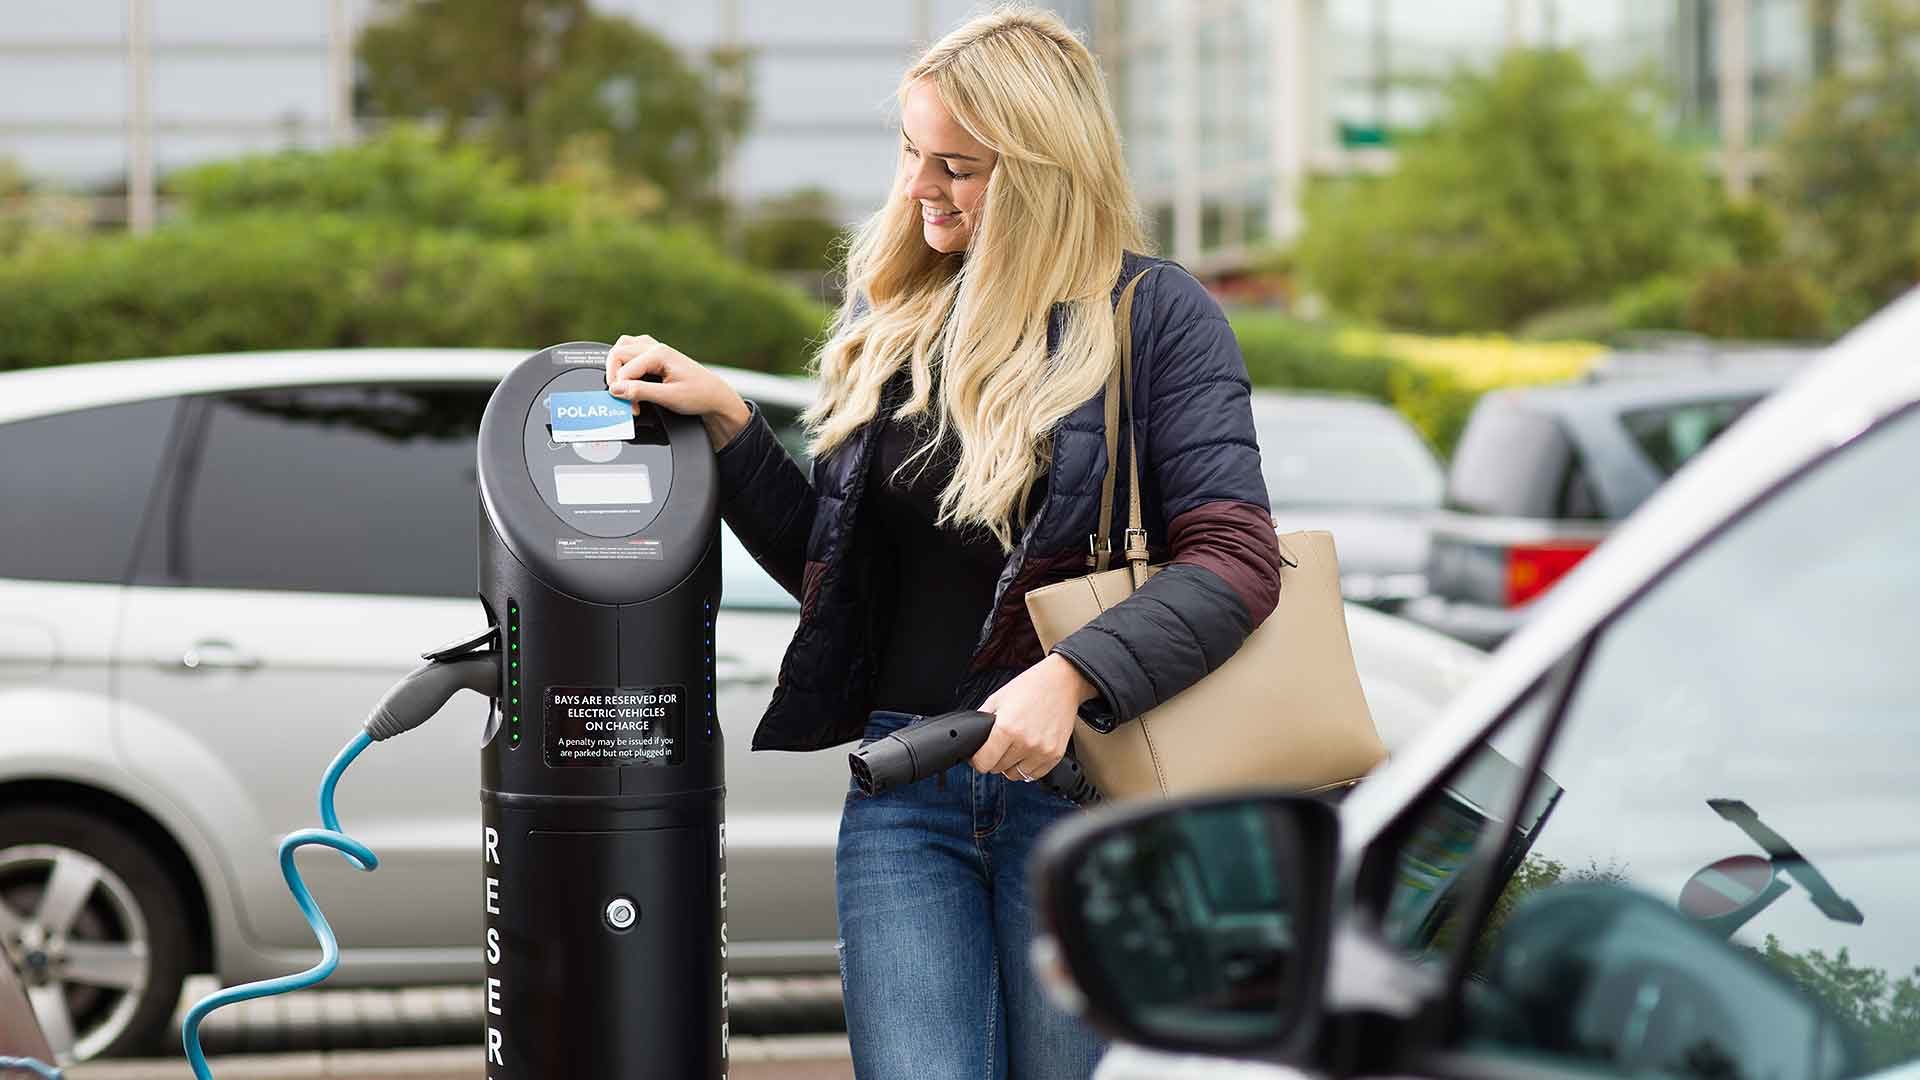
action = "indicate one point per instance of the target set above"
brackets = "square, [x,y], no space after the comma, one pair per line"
[411,702]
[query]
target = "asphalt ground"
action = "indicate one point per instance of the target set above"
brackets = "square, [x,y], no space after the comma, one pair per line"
[792,1057]
[789,1028]
[454,1016]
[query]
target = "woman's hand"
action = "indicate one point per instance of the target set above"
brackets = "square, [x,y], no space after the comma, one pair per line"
[684,386]
[1033,719]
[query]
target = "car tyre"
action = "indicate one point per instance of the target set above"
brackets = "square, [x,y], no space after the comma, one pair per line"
[96,927]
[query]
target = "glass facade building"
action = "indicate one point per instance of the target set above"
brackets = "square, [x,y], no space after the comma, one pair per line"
[1227,106]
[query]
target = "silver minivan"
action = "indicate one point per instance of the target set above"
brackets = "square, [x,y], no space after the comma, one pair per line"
[211,568]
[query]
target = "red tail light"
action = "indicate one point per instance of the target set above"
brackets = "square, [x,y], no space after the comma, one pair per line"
[1533,568]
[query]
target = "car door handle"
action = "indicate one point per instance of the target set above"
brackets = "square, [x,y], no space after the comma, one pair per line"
[213,654]
[731,670]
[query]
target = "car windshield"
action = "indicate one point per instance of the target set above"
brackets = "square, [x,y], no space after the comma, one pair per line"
[1343,454]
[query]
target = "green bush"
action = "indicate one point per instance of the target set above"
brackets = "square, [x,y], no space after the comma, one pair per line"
[1658,303]
[671,285]
[1772,302]
[1284,353]
[796,231]
[1755,232]
[1576,322]
[279,281]
[407,177]
[404,176]
[1537,189]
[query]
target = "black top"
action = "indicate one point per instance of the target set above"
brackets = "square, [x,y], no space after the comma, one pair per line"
[935,584]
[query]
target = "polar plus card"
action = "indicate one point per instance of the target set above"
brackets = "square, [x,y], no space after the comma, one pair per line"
[589,416]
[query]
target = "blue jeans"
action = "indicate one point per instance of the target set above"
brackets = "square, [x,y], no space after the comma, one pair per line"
[935,925]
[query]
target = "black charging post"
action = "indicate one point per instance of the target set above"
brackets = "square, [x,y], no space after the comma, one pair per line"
[602,780]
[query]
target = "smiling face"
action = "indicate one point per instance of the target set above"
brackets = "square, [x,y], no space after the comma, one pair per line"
[944,169]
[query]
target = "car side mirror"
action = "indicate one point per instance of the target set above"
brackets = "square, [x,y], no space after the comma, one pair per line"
[1197,924]
[1613,977]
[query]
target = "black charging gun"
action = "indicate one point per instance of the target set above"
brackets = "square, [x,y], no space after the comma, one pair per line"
[936,743]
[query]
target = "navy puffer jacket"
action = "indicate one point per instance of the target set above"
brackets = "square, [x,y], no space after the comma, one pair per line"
[1202,496]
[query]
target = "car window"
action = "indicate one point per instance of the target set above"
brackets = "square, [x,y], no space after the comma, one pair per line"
[1741,748]
[1345,457]
[1515,460]
[1424,861]
[75,486]
[355,489]
[1672,435]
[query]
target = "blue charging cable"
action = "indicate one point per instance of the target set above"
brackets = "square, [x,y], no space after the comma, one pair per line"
[45,1071]
[357,853]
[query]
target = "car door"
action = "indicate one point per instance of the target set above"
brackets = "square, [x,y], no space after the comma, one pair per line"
[74,485]
[1727,787]
[317,540]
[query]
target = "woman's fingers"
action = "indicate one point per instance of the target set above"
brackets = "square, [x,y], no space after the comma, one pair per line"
[624,349]
[640,368]
[1009,750]
[993,754]
[1034,767]
[657,360]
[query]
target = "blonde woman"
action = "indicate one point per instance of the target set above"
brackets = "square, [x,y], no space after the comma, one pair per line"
[958,449]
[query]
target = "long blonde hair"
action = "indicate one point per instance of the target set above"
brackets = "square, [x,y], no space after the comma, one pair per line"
[1057,213]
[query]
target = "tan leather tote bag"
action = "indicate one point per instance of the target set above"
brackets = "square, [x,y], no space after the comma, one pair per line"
[1285,710]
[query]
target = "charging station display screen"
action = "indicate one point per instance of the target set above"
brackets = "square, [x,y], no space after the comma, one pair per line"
[602,485]
[615,725]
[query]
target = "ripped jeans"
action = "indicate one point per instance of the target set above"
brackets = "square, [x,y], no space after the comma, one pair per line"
[935,923]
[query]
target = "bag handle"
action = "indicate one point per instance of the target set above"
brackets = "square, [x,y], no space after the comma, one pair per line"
[1119,386]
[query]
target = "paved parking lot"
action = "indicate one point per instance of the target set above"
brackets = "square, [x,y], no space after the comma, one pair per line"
[784,1029]
[794,1057]
[453,1016]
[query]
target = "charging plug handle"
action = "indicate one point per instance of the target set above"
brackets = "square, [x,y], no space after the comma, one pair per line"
[415,699]
[938,743]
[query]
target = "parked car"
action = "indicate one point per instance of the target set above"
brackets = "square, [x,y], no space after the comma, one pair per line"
[1542,474]
[1664,354]
[212,567]
[1358,469]
[1703,864]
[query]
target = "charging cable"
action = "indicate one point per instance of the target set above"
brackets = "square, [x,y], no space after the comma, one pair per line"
[357,853]
[39,1068]
[411,702]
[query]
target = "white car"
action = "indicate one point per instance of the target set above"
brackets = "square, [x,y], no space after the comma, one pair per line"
[1672,830]
[211,568]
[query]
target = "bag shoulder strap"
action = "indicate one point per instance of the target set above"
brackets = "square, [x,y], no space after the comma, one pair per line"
[1120,386]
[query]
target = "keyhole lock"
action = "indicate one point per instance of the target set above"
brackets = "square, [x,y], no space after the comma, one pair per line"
[622,913]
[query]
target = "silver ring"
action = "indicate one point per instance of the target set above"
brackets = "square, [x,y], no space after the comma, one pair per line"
[1023,774]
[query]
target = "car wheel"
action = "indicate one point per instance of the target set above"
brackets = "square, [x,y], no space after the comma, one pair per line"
[96,928]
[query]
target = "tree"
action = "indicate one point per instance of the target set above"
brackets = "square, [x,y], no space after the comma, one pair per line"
[1885,1011]
[530,76]
[1849,176]
[1537,188]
